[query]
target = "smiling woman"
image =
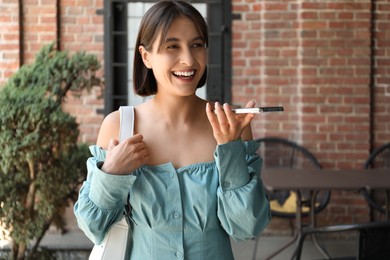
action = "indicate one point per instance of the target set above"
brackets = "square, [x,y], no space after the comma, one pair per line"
[120,36]
[181,54]
[156,41]
[190,170]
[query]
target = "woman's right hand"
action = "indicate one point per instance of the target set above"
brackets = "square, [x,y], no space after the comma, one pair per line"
[123,158]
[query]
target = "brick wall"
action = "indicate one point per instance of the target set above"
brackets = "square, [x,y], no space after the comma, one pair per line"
[382,75]
[82,30]
[312,57]
[78,28]
[9,39]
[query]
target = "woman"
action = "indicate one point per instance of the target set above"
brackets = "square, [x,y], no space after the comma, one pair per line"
[191,169]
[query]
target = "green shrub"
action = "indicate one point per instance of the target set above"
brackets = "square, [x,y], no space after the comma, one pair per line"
[41,162]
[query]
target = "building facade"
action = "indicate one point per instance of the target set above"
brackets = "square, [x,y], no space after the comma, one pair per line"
[327,62]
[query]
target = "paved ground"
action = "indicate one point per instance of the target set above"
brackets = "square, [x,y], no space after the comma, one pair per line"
[269,244]
[76,240]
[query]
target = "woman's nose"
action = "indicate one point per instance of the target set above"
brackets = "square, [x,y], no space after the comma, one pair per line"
[187,57]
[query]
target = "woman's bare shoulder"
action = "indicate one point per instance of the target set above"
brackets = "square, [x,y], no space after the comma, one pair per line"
[109,129]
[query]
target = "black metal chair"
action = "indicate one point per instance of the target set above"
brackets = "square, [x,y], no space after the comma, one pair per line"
[373,239]
[280,152]
[377,199]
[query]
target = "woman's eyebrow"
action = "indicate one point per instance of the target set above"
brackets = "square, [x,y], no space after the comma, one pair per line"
[173,39]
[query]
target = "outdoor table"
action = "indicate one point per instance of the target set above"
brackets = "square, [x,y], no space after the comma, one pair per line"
[322,179]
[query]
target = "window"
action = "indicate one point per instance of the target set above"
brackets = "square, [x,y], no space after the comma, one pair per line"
[121,21]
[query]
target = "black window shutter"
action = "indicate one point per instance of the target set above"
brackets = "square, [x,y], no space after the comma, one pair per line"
[219,63]
[115,54]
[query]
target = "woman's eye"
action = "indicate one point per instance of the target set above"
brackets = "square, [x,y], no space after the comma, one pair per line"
[172,47]
[198,45]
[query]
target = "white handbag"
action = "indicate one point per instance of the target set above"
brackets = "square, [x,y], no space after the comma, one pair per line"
[118,241]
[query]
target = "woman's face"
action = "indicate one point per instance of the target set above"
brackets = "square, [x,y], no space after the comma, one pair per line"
[179,63]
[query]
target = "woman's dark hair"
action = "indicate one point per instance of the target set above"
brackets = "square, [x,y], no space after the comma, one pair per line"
[157,20]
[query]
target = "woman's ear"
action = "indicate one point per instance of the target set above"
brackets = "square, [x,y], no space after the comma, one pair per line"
[145,56]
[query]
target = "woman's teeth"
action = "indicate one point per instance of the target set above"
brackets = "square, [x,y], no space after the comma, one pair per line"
[184,73]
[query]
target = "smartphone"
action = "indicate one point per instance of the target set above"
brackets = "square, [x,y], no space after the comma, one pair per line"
[257,110]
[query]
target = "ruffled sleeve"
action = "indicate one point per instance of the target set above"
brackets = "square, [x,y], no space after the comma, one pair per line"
[101,198]
[243,207]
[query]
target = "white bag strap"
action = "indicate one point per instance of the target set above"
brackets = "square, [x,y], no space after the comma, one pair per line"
[126,117]
[126,122]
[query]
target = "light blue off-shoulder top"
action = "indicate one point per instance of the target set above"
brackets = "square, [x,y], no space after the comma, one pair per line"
[185,213]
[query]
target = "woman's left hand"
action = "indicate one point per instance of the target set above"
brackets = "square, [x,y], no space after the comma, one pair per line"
[227,125]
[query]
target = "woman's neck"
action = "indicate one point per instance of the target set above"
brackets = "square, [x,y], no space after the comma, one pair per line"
[178,110]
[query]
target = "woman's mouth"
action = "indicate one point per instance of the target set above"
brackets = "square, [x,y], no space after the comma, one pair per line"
[187,74]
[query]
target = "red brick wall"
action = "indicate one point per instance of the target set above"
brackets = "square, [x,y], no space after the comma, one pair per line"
[382,76]
[9,39]
[312,57]
[81,29]
[39,26]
